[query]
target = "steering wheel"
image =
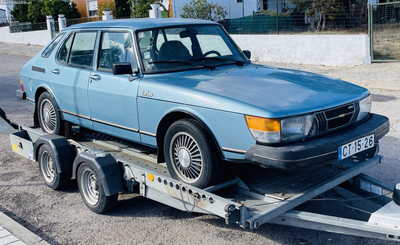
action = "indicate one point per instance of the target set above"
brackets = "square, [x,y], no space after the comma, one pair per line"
[212,52]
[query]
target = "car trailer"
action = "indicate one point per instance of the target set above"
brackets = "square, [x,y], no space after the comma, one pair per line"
[105,166]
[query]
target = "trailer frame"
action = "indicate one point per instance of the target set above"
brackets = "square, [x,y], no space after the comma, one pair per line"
[237,200]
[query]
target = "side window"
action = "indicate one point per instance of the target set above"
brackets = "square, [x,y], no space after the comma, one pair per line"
[64,50]
[82,49]
[46,53]
[115,47]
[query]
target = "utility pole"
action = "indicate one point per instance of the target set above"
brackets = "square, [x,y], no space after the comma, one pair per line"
[243,7]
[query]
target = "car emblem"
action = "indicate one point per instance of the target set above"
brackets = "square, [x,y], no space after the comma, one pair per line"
[350,107]
[342,115]
[147,93]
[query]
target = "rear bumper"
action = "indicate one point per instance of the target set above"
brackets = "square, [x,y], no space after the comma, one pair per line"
[20,94]
[313,151]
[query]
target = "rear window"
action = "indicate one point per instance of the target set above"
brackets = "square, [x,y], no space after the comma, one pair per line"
[46,53]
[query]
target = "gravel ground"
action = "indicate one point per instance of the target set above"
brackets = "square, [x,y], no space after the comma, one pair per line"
[60,217]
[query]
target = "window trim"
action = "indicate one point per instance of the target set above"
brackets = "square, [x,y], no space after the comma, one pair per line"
[69,51]
[61,35]
[101,42]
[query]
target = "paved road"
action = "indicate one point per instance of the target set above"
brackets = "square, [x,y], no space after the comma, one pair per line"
[60,217]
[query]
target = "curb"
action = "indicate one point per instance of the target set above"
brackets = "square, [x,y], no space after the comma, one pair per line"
[11,232]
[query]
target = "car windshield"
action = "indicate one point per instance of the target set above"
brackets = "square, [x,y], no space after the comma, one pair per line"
[187,47]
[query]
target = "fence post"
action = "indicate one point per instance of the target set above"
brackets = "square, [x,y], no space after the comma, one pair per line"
[50,26]
[62,22]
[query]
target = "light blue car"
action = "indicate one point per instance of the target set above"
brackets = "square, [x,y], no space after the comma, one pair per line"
[185,89]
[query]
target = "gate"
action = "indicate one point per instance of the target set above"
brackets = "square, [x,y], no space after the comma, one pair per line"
[384,31]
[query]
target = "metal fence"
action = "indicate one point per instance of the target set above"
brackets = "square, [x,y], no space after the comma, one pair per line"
[384,31]
[294,16]
[27,26]
[71,22]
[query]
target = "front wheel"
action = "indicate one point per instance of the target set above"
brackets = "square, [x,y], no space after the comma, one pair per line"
[92,190]
[191,155]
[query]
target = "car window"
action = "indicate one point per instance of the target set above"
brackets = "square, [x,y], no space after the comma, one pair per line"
[64,50]
[210,40]
[82,49]
[46,53]
[115,47]
[187,47]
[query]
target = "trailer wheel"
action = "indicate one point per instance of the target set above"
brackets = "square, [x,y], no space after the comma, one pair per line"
[191,155]
[48,114]
[49,171]
[92,190]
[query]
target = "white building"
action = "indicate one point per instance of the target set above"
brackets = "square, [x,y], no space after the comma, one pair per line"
[5,15]
[234,8]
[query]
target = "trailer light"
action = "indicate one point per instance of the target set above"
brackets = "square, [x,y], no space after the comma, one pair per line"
[264,129]
[151,177]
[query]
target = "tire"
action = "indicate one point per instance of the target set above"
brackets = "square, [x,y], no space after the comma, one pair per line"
[48,114]
[92,191]
[49,171]
[191,155]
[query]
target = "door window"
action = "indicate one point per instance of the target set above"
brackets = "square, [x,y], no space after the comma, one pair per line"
[83,49]
[115,47]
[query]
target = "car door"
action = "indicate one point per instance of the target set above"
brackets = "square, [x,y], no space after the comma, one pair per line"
[112,98]
[70,76]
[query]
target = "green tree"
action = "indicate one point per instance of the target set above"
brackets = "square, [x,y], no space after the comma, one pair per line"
[319,10]
[201,9]
[19,13]
[140,8]
[37,11]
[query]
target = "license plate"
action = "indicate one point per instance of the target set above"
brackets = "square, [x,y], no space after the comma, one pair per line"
[356,146]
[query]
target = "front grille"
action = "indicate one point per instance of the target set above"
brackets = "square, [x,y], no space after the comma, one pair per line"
[335,118]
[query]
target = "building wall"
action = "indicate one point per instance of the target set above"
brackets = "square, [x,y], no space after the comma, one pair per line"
[32,37]
[328,50]
[81,5]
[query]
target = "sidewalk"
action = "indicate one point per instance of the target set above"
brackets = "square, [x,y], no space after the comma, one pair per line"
[9,229]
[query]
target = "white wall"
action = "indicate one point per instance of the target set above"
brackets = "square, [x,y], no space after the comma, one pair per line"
[31,37]
[232,7]
[328,50]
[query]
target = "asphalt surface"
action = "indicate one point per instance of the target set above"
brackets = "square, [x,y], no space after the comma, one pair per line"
[60,217]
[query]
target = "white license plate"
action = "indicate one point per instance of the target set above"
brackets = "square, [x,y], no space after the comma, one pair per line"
[356,146]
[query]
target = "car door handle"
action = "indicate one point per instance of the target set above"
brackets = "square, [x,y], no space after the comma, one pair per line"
[94,77]
[55,71]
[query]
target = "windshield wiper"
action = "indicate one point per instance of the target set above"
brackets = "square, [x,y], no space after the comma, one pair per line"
[237,62]
[182,62]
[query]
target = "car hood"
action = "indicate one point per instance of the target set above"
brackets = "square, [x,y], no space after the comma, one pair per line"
[257,90]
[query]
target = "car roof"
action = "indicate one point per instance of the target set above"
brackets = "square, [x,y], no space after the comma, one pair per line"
[140,23]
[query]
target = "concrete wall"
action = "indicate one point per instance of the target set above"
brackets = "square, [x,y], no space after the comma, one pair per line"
[328,50]
[31,37]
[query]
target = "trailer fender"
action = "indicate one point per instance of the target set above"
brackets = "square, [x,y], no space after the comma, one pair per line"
[61,148]
[106,168]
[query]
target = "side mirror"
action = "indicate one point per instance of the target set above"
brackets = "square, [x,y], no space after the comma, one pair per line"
[123,68]
[247,53]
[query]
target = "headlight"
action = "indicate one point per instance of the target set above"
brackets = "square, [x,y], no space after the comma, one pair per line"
[365,107]
[281,130]
[295,128]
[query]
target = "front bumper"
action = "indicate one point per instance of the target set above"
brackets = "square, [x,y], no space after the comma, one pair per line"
[319,150]
[20,94]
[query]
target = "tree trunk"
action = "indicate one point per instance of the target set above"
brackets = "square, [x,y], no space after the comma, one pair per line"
[323,22]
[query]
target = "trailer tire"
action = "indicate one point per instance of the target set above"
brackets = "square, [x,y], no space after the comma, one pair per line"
[92,190]
[48,114]
[49,170]
[191,155]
